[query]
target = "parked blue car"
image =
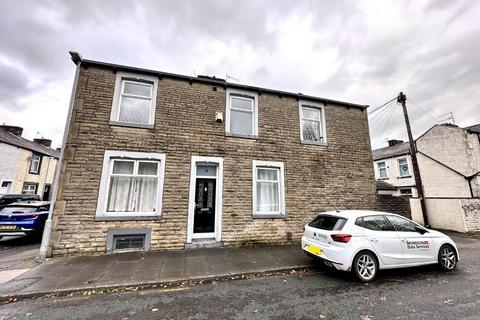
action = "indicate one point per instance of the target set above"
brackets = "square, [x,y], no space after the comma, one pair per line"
[24,218]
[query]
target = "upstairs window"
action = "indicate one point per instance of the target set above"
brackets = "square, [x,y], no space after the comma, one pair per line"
[134,100]
[382,170]
[312,124]
[242,117]
[268,189]
[35,164]
[403,168]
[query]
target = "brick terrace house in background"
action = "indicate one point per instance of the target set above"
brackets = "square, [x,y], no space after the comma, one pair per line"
[155,160]
[26,166]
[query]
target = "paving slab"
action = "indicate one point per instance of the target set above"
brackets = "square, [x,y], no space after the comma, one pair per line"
[71,274]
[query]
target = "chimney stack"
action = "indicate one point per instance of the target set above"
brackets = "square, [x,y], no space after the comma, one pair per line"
[12,129]
[42,141]
[394,142]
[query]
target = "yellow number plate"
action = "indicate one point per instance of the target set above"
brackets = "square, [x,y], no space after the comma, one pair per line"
[8,227]
[314,250]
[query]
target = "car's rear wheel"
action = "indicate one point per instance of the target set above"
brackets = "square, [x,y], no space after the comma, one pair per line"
[365,266]
[447,257]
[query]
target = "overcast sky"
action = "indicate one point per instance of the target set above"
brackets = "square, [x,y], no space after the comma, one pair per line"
[358,51]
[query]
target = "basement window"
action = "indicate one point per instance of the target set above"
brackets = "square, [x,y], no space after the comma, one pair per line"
[135,239]
[129,242]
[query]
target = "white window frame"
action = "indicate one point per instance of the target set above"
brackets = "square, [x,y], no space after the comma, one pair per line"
[121,79]
[108,159]
[386,170]
[323,129]
[268,164]
[399,169]
[32,161]
[30,184]
[242,94]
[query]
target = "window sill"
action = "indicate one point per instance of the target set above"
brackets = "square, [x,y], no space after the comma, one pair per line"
[404,177]
[386,178]
[314,143]
[243,136]
[126,217]
[35,173]
[131,125]
[269,216]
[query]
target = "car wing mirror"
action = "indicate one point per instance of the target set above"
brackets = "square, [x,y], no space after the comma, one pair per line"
[420,230]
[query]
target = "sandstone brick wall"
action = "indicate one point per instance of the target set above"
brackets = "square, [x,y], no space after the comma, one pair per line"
[399,205]
[317,178]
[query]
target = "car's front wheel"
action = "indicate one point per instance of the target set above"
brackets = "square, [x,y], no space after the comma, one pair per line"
[365,266]
[447,257]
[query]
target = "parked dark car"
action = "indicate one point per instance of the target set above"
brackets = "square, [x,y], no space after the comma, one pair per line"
[24,218]
[11,198]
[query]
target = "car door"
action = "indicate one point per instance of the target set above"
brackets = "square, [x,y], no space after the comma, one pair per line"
[417,247]
[384,240]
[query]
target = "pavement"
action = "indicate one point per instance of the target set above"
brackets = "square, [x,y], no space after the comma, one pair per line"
[139,269]
[411,293]
[17,256]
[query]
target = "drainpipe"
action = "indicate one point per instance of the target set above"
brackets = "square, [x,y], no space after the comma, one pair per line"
[42,255]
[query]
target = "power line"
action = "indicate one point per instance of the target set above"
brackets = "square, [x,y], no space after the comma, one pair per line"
[425,111]
[389,117]
[381,116]
[383,105]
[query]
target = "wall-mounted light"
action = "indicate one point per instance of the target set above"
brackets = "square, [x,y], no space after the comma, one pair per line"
[219,117]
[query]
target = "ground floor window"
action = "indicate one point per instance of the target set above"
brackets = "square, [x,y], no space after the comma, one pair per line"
[29,188]
[131,184]
[268,189]
[406,191]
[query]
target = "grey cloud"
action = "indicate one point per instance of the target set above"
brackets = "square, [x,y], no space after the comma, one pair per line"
[14,84]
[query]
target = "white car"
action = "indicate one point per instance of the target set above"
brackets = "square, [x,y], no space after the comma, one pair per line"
[366,241]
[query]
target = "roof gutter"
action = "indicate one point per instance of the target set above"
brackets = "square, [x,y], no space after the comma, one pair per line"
[299,96]
[42,255]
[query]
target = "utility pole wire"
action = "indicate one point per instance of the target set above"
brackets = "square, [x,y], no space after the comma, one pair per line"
[380,107]
[388,118]
[428,113]
[381,117]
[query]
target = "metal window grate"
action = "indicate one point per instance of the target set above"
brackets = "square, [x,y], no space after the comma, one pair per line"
[128,242]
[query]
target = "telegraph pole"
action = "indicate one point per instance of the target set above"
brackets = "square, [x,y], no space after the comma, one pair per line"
[402,99]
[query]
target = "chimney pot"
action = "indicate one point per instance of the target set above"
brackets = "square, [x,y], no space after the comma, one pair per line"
[12,129]
[394,142]
[42,141]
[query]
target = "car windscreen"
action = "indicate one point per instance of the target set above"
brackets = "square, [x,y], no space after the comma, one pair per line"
[326,222]
[13,210]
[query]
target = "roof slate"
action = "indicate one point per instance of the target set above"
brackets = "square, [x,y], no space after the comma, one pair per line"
[395,151]
[475,128]
[212,80]
[382,185]
[11,139]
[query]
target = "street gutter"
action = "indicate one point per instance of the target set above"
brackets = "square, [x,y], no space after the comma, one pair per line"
[194,280]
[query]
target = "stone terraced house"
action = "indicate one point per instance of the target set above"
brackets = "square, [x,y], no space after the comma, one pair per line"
[26,166]
[155,160]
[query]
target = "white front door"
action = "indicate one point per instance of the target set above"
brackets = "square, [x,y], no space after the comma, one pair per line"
[383,239]
[417,247]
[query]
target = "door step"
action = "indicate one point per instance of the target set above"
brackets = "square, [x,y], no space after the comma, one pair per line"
[204,243]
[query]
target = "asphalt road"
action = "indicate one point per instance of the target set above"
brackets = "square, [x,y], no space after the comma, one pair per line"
[418,293]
